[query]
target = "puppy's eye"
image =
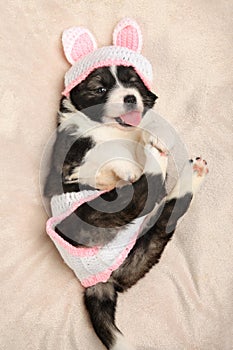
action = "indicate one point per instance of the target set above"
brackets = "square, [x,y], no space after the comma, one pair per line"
[101,90]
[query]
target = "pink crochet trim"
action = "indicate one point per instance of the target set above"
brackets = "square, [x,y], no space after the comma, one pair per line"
[106,63]
[104,276]
[75,251]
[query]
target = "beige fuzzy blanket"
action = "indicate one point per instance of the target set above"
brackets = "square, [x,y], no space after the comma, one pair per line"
[186,301]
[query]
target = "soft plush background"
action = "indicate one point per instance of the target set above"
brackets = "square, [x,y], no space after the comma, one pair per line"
[186,301]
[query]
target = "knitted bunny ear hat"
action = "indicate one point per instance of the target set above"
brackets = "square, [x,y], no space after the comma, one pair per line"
[81,51]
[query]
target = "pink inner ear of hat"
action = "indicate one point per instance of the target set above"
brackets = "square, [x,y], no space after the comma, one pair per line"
[128,37]
[127,33]
[82,46]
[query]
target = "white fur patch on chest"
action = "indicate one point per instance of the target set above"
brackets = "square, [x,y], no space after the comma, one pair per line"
[113,158]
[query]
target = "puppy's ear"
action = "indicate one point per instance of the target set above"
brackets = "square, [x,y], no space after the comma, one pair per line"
[77,42]
[128,34]
[149,99]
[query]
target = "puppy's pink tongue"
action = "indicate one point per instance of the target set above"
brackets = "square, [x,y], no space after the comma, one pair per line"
[132,118]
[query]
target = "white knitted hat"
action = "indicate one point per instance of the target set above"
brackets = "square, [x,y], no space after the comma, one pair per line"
[81,51]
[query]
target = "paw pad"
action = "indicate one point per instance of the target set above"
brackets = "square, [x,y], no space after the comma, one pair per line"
[199,166]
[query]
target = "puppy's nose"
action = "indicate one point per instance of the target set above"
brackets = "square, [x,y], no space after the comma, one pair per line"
[130,99]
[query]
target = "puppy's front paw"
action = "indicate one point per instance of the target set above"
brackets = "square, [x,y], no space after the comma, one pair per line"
[154,141]
[190,179]
[74,177]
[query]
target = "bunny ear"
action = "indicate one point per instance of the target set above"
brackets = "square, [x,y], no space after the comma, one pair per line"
[77,42]
[128,34]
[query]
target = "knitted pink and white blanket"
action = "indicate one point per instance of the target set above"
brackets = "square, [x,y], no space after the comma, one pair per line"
[95,264]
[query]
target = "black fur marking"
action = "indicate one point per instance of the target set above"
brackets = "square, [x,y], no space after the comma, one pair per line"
[148,250]
[93,92]
[68,152]
[181,206]
[78,150]
[63,108]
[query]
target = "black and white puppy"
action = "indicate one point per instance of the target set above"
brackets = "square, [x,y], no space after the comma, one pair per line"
[110,103]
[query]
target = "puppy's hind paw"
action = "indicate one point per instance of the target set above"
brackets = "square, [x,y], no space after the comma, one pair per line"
[199,166]
[200,170]
[128,171]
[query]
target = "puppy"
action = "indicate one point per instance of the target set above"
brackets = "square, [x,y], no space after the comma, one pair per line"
[109,105]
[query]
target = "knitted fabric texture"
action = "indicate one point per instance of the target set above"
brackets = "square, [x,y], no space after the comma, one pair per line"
[80,49]
[90,265]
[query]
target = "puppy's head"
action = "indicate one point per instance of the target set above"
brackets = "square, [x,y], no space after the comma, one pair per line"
[115,95]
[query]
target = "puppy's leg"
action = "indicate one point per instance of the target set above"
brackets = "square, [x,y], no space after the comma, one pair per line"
[146,252]
[149,247]
[200,170]
[191,178]
[153,140]
[100,301]
[156,161]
